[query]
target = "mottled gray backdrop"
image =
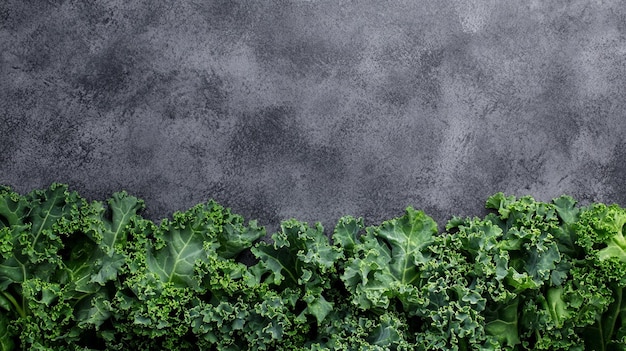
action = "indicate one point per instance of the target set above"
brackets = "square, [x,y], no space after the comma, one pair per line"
[315,109]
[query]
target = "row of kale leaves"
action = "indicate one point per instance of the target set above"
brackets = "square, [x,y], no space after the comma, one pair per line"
[79,275]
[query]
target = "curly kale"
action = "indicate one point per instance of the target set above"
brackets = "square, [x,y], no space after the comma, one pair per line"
[600,232]
[79,275]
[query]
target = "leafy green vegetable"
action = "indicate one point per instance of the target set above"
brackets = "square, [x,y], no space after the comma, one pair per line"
[30,261]
[601,233]
[78,275]
[386,261]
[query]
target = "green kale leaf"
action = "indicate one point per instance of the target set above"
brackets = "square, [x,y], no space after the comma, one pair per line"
[600,231]
[386,260]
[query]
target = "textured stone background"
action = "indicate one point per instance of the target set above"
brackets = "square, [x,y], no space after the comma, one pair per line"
[315,109]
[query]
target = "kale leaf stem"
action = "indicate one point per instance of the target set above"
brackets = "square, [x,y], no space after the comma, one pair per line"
[17,306]
[609,325]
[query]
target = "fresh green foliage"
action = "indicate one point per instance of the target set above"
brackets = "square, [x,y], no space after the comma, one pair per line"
[79,275]
[385,262]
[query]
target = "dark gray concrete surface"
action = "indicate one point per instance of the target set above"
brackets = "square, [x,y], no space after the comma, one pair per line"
[315,109]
